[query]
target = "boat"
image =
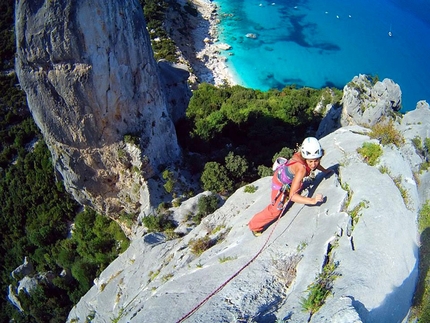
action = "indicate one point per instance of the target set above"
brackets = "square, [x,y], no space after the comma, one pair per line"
[390,33]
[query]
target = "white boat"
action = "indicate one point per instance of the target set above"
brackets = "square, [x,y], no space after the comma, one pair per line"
[390,33]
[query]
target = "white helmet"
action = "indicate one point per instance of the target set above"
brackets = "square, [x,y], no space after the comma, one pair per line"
[311,148]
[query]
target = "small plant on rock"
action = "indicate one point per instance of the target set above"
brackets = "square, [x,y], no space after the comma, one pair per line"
[198,246]
[319,290]
[355,213]
[250,189]
[386,133]
[225,259]
[206,205]
[158,223]
[370,152]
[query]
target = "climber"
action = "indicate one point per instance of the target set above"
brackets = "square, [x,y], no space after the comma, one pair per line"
[287,181]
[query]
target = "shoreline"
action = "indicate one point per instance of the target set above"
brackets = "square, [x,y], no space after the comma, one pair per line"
[208,51]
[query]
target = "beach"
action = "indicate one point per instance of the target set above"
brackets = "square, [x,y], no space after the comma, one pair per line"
[207,62]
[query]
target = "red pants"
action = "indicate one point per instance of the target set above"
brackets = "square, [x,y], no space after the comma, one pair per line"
[270,213]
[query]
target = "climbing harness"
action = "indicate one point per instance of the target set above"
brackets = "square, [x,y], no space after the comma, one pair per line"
[285,191]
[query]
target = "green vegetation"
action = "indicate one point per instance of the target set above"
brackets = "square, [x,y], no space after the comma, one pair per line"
[370,152]
[250,189]
[225,259]
[225,178]
[205,205]
[355,213]
[198,246]
[158,223]
[169,177]
[403,191]
[421,301]
[386,133]
[39,219]
[423,149]
[319,290]
[241,129]
[132,139]
[36,222]
[154,12]
[7,37]
[166,277]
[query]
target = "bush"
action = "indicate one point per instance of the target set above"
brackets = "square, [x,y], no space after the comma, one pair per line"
[215,178]
[250,189]
[386,133]
[158,223]
[170,181]
[207,204]
[370,152]
[236,165]
[198,246]
[319,290]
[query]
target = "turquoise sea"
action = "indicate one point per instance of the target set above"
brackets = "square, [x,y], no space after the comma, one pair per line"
[326,43]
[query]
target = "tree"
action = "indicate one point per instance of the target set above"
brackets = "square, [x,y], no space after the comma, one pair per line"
[215,178]
[207,204]
[236,165]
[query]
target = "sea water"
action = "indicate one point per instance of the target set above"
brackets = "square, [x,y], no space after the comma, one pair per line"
[318,43]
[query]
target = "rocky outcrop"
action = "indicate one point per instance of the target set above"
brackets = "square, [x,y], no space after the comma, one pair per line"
[266,279]
[364,103]
[92,83]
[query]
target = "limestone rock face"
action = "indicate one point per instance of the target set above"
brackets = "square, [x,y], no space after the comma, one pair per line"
[376,259]
[367,226]
[88,70]
[365,103]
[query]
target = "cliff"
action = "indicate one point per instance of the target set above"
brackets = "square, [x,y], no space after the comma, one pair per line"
[94,90]
[366,228]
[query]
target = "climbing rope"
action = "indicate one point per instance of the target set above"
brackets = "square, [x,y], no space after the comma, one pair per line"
[186,316]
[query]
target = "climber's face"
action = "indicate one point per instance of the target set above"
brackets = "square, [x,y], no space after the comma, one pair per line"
[313,163]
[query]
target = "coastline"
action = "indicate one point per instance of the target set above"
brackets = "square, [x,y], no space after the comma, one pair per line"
[209,65]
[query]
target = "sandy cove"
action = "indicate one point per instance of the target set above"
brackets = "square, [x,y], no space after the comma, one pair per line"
[208,63]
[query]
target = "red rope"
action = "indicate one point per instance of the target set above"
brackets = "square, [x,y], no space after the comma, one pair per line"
[237,273]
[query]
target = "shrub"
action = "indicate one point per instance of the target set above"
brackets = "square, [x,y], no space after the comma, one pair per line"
[170,181]
[158,223]
[355,213]
[236,165]
[215,178]
[207,204]
[264,171]
[198,246]
[422,149]
[370,152]
[285,152]
[424,217]
[319,290]
[386,133]
[250,189]
[132,139]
